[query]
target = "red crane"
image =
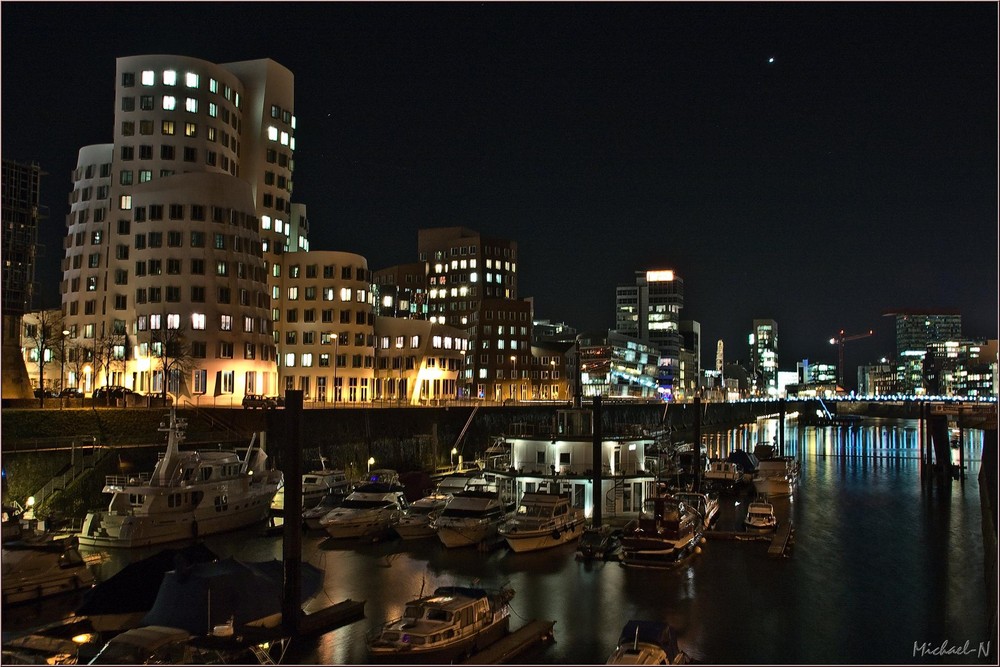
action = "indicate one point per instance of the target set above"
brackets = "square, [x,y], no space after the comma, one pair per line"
[839,341]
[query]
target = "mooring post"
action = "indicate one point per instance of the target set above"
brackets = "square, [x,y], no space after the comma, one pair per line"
[291,603]
[596,462]
[697,444]
[921,439]
[781,426]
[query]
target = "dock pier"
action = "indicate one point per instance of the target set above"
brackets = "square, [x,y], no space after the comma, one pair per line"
[514,644]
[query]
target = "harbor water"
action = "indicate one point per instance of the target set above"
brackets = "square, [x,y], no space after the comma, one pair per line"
[884,569]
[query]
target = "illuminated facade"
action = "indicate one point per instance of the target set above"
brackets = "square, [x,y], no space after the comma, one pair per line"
[417,362]
[962,368]
[764,358]
[401,291]
[615,365]
[175,228]
[650,311]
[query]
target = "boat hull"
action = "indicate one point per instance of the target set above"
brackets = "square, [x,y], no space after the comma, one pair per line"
[461,648]
[414,530]
[454,535]
[658,553]
[347,529]
[773,487]
[521,541]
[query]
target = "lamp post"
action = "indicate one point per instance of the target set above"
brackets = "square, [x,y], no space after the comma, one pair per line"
[371,461]
[513,359]
[62,367]
[552,377]
[454,451]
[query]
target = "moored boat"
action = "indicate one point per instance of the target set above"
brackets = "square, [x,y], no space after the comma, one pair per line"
[454,622]
[543,520]
[369,511]
[602,542]
[416,520]
[723,475]
[760,516]
[667,531]
[777,476]
[315,485]
[39,568]
[647,643]
[705,504]
[312,516]
[470,518]
[189,494]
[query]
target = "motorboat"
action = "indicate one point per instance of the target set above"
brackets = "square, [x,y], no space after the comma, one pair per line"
[369,511]
[723,475]
[603,542]
[746,461]
[470,518]
[189,494]
[40,567]
[648,643]
[543,520]
[667,531]
[706,504]
[453,622]
[312,516]
[315,485]
[776,476]
[760,516]
[416,520]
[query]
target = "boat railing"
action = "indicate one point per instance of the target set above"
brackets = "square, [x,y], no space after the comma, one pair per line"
[124,480]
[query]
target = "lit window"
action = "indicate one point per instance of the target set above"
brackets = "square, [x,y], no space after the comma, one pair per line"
[265,222]
[169,102]
[284,138]
[213,109]
[290,359]
[213,85]
[293,293]
[148,77]
[226,322]
[190,129]
[169,77]
[272,133]
[345,293]
[145,175]
[198,321]
[291,143]
[191,104]
[279,226]
[293,122]
[191,80]
[173,321]
[307,359]
[167,127]
[125,203]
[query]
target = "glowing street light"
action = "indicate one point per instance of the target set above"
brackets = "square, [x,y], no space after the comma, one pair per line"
[454,451]
[371,461]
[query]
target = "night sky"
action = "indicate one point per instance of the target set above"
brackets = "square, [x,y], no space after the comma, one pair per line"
[854,173]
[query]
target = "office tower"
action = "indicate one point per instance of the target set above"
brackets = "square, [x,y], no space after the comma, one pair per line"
[650,311]
[764,357]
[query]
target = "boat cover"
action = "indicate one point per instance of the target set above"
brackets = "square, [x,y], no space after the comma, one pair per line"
[745,460]
[242,591]
[134,587]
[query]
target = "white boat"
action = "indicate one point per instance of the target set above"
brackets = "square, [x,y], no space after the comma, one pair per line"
[39,568]
[647,643]
[416,520]
[543,520]
[315,485]
[370,510]
[667,531]
[705,504]
[776,477]
[723,474]
[189,494]
[470,518]
[453,622]
[312,516]
[760,516]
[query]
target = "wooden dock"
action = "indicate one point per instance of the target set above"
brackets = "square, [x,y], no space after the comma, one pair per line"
[779,542]
[513,644]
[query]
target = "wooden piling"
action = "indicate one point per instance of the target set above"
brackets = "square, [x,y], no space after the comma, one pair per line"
[291,604]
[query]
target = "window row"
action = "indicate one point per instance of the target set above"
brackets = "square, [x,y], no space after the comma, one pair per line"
[199,322]
[170,128]
[170,77]
[198,213]
[87,171]
[198,294]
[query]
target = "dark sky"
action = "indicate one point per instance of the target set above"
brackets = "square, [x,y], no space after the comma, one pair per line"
[855,174]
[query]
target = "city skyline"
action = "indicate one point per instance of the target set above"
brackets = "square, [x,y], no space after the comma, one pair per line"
[563,127]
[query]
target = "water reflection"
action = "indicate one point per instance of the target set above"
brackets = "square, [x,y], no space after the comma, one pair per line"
[880,560]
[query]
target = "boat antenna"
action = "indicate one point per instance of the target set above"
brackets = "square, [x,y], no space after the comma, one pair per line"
[635,642]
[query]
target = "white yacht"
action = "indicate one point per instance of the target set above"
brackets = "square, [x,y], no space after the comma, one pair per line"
[777,476]
[647,643]
[416,520]
[189,494]
[543,520]
[760,516]
[723,474]
[315,485]
[440,628]
[469,518]
[371,509]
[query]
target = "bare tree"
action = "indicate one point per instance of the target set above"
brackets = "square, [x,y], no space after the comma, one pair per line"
[170,348]
[44,335]
[109,353]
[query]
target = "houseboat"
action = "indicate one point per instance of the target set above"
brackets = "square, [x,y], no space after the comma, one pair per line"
[189,494]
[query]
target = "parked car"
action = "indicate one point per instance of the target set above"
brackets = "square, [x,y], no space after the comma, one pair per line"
[115,392]
[47,393]
[253,401]
[71,392]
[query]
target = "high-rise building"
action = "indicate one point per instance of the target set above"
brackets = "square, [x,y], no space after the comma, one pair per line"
[178,229]
[650,311]
[401,291]
[764,358]
[22,213]
[916,330]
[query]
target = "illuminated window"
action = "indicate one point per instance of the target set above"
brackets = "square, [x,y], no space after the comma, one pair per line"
[272,133]
[191,104]
[125,203]
[213,85]
[307,359]
[226,322]
[190,129]
[265,222]
[167,127]
[173,321]
[345,293]
[290,359]
[148,77]
[284,138]
[213,109]
[191,80]
[169,77]
[169,102]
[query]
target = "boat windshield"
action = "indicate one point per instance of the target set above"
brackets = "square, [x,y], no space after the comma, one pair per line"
[534,511]
[355,504]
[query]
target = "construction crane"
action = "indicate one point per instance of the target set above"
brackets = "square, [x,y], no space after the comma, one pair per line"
[839,341]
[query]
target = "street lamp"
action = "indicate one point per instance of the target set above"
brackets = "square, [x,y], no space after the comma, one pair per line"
[62,367]
[453,452]
[513,359]
[371,460]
